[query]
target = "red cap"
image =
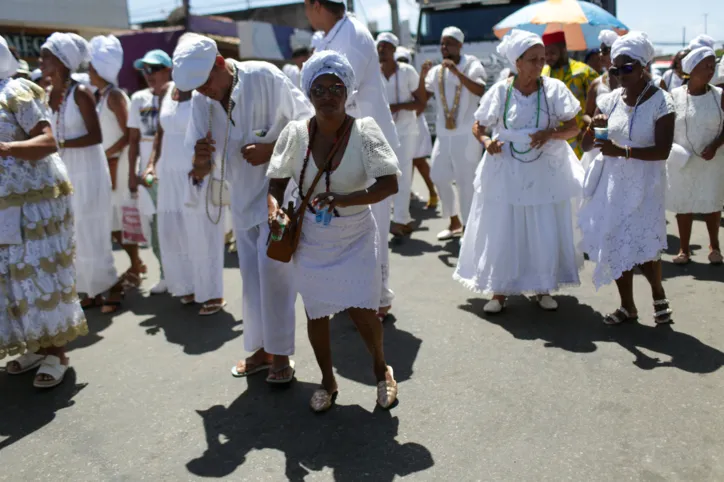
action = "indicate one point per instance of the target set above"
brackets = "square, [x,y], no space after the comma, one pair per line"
[554,38]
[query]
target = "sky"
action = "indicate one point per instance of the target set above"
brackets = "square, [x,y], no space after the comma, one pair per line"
[663,20]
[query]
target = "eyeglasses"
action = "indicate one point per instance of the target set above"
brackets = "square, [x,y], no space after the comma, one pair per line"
[337,90]
[625,69]
[150,69]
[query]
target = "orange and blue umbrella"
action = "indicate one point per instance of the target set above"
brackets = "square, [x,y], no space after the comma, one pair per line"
[580,21]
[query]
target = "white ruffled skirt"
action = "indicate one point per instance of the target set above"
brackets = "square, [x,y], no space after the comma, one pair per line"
[337,267]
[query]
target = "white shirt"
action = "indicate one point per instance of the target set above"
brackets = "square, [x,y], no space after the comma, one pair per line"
[473,69]
[719,74]
[400,87]
[143,115]
[294,74]
[350,37]
[263,102]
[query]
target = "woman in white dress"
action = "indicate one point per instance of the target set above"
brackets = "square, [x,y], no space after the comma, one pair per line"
[191,238]
[112,108]
[698,186]
[39,307]
[675,76]
[78,133]
[622,220]
[520,235]
[336,266]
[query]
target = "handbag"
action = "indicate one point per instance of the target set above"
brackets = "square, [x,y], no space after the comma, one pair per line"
[283,249]
[678,157]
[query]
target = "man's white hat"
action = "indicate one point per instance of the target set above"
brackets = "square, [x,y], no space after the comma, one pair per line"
[193,60]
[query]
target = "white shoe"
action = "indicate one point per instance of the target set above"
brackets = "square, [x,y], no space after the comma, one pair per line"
[159,288]
[493,306]
[548,303]
[447,234]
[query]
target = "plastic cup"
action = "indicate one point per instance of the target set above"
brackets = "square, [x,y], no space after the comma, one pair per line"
[601,133]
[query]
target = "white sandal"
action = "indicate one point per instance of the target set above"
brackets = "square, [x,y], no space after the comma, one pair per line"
[51,367]
[27,362]
[387,390]
[663,316]
[494,306]
[208,309]
[548,303]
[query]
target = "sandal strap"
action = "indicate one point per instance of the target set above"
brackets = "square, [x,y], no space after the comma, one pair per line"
[661,302]
[52,367]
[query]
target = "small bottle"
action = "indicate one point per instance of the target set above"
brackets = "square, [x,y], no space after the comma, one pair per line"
[319,217]
[281,219]
[149,179]
[327,217]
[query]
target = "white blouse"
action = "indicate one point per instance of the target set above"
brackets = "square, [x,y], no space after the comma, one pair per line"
[367,157]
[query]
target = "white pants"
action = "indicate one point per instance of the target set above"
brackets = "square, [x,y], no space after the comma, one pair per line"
[454,159]
[381,213]
[267,296]
[401,200]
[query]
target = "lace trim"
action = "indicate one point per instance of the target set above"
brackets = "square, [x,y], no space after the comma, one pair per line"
[63,188]
[52,228]
[474,286]
[73,331]
[22,307]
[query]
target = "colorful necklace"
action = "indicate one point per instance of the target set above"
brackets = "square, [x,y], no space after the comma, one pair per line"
[509,95]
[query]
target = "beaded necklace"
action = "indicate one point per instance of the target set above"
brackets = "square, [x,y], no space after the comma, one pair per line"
[59,127]
[509,95]
[450,114]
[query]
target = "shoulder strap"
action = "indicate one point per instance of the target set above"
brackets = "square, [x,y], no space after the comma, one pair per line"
[341,140]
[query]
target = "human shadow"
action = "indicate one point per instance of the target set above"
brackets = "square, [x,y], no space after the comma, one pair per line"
[673,244]
[698,268]
[353,361]
[577,328]
[25,409]
[354,443]
[182,325]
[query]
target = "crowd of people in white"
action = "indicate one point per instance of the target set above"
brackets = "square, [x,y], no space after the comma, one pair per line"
[313,170]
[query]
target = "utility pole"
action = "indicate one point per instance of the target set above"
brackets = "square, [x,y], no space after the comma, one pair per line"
[187,14]
[706,23]
[395,14]
[683,39]
[350,6]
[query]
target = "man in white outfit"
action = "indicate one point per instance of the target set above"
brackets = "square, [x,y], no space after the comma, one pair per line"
[401,81]
[242,110]
[457,85]
[347,35]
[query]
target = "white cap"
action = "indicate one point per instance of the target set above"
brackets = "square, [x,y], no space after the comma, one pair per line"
[453,32]
[193,60]
[388,37]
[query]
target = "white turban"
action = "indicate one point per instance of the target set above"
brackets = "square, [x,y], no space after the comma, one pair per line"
[694,57]
[701,41]
[453,32]
[635,45]
[607,37]
[70,48]
[328,62]
[8,64]
[402,53]
[317,39]
[516,43]
[388,37]
[193,60]
[107,57]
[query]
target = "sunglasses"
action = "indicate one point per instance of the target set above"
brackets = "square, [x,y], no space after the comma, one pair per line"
[336,90]
[149,69]
[606,51]
[625,69]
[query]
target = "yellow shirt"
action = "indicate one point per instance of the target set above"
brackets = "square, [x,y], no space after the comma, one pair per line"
[578,77]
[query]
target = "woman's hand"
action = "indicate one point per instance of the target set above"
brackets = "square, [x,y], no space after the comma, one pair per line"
[538,139]
[710,151]
[494,146]
[275,213]
[150,169]
[4,150]
[599,120]
[328,200]
[608,148]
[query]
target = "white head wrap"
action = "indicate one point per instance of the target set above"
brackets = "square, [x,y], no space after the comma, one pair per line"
[36,75]
[328,62]
[702,41]
[317,39]
[192,61]
[635,45]
[107,57]
[388,37]
[607,37]
[70,48]
[403,53]
[8,64]
[694,57]
[516,43]
[453,32]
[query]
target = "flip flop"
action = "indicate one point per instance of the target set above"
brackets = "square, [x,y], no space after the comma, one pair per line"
[247,373]
[213,307]
[27,362]
[188,300]
[52,367]
[281,381]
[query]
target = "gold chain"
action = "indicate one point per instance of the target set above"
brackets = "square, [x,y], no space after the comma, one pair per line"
[450,114]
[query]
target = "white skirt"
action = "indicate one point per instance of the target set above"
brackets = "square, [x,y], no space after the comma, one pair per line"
[698,187]
[511,250]
[337,267]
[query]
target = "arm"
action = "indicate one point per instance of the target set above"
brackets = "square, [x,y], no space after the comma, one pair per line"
[87,106]
[134,150]
[384,187]
[117,105]
[476,88]
[491,146]
[413,84]
[591,102]
[663,139]
[155,153]
[422,93]
[40,144]
[710,150]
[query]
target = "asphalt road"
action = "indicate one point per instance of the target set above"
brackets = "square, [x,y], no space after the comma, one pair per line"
[524,395]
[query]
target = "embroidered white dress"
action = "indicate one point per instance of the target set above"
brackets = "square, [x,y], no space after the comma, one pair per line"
[88,171]
[698,187]
[624,223]
[520,237]
[337,266]
[112,132]
[39,305]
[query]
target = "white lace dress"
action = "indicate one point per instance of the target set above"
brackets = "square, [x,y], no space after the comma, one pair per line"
[520,237]
[337,267]
[623,223]
[88,171]
[698,187]
[39,305]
